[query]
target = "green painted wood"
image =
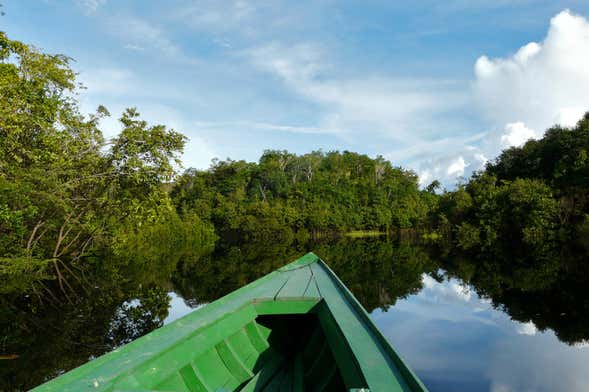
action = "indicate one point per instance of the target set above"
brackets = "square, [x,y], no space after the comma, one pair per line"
[191,380]
[296,329]
[343,355]
[233,363]
[286,306]
[244,349]
[265,375]
[382,367]
[254,335]
[297,283]
[329,373]
[298,384]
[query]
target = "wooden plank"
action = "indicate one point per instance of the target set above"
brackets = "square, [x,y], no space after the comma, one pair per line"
[233,362]
[381,366]
[298,382]
[296,284]
[265,375]
[191,379]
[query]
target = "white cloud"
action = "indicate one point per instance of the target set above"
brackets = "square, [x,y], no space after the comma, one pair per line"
[522,95]
[263,126]
[113,81]
[448,168]
[457,167]
[136,48]
[526,329]
[542,83]
[178,308]
[516,134]
[198,153]
[237,22]
[89,7]
[582,345]
[403,110]
[450,292]
[539,364]
[415,122]
[139,34]
[215,15]
[569,117]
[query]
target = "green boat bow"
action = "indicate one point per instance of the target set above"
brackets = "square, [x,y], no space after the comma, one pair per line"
[295,329]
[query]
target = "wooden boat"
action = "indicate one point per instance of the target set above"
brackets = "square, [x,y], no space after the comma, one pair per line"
[295,329]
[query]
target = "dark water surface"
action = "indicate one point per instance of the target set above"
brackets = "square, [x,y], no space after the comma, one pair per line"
[461,324]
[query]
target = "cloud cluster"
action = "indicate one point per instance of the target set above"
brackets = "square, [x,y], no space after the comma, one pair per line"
[542,83]
[424,124]
[516,134]
[522,95]
[528,328]
[216,16]
[451,291]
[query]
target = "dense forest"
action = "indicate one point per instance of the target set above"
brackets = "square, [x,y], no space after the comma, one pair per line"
[69,197]
[287,194]
[529,200]
[519,231]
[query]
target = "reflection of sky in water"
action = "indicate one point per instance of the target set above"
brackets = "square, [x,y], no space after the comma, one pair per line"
[456,341]
[178,308]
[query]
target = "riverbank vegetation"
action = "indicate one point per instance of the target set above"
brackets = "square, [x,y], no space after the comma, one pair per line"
[71,198]
[68,196]
[530,200]
[285,194]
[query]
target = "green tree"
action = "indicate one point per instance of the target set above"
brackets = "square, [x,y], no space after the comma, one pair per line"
[65,192]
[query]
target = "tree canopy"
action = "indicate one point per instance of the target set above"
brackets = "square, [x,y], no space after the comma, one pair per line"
[287,193]
[66,192]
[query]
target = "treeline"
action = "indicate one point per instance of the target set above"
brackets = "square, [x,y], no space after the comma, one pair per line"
[530,201]
[520,231]
[68,196]
[286,194]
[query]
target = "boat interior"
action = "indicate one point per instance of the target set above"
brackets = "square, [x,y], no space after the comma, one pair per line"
[258,348]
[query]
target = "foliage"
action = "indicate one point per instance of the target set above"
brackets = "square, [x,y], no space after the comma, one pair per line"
[531,199]
[285,193]
[521,231]
[467,235]
[66,193]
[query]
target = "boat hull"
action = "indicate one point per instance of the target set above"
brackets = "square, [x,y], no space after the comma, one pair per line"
[295,329]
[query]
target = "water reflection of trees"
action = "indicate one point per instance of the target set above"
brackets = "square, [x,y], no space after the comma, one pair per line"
[377,271]
[549,290]
[117,305]
[45,337]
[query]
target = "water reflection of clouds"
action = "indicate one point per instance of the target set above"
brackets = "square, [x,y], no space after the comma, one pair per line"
[538,363]
[449,292]
[456,340]
[526,328]
[177,308]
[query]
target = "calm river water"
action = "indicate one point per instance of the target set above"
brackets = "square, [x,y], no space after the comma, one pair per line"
[461,324]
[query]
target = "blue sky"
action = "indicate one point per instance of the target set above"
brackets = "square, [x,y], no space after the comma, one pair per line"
[438,87]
